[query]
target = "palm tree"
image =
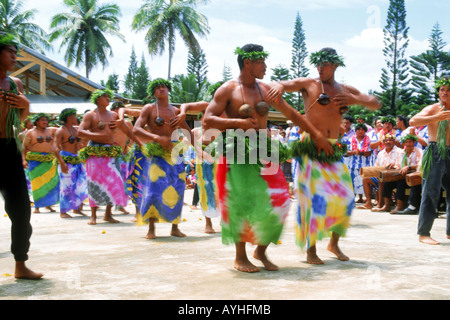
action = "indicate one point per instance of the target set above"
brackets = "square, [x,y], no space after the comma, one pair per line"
[15,21]
[83,31]
[162,19]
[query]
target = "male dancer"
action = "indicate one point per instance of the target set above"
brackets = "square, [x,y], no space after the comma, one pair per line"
[72,172]
[253,201]
[164,177]
[435,161]
[43,172]
[205,166]
[325,202]
[105,183]
[13,185]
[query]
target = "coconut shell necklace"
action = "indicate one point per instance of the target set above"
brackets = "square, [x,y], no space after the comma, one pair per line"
[159,121]
[324,99]
[246,110]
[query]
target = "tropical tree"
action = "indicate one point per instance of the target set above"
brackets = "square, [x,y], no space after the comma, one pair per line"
[83,31]
[299,55]
[15,21]
[394,78]
[281,73]
[226,73]
[429,66]
[163,19]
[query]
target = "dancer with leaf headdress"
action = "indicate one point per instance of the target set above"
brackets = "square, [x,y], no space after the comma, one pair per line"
[14,108]
[253,195]
[163,176]
[72,172]
[323,185]
[436,160]
[105,182]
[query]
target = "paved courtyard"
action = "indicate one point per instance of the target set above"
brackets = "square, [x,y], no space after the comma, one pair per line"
[116,262]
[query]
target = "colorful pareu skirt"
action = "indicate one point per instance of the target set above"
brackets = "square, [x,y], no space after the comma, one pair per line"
[163,183]
[325,198]
[138,165]
[207,188]
[253,205]
[104,178]
[73,184]
[44,178]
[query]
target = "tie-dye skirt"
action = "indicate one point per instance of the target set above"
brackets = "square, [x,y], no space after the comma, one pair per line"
[325,200]
[73,185]
[44,180]
[207,189]
[253,205]
[105,183]
[163,185]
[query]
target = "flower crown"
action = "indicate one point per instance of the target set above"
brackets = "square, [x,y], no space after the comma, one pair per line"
[156,83]
[252,56]
[387,136]
[445,81]
[323,56]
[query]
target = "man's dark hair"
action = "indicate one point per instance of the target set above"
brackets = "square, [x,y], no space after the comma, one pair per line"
[404,120]
[349,118]
[248,48]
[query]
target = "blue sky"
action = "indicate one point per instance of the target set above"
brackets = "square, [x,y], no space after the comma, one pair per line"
[353,27]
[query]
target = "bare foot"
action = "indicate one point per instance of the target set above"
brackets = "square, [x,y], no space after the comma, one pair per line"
[245,266]
[110,219]
[176,232]
[429,240]
[268,265]
[92,221]
[151,234]
[334,248]
[365,206]
[448,237]
[312,257]
[123,210]
[36,210]
[22,272]
[65,215]
[51,209]
[78,212]
[208,227]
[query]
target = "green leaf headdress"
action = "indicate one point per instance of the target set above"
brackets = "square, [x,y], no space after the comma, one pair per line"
[156,83]
[388,119]
[7,39]
[445,81]
[252,55]
[409,137]
[66,113]
[98,93]
[37,116]
[326,55]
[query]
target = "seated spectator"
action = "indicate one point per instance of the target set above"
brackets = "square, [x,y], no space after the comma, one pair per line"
[408,160]
[386,158]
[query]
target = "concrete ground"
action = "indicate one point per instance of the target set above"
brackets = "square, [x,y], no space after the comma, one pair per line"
[116,262]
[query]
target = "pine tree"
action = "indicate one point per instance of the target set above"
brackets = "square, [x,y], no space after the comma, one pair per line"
[429,66]
[113,82]
[226,73]
[394,78]
[142,81]
[299,55]
[198,67]
[281,73]
[130,77]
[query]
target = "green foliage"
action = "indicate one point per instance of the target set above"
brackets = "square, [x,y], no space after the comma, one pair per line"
[162,20]
[19,23]
[299,55]
[83,32]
